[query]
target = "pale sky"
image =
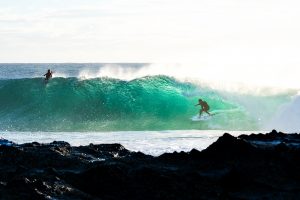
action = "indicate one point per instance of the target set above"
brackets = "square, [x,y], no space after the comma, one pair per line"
[256,37]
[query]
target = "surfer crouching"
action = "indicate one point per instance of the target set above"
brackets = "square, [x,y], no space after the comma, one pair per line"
[204,107]
[48,75]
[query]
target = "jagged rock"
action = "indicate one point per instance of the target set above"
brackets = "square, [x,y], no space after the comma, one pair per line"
[259,166]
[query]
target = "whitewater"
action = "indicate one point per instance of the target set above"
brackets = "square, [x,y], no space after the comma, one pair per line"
[128,103]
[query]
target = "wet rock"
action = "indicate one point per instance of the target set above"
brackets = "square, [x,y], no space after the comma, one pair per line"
[259,166]
[4,142]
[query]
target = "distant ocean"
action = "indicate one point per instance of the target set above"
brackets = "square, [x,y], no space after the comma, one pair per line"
[83,98]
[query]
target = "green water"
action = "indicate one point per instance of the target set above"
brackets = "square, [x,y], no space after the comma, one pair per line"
[149,103]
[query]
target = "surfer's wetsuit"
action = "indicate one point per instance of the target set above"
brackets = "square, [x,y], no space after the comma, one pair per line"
[204,106]
[48,75]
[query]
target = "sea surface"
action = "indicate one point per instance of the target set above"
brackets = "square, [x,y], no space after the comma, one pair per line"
[92,102]
[149,142]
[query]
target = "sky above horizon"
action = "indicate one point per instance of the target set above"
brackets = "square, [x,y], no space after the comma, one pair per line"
[239,36]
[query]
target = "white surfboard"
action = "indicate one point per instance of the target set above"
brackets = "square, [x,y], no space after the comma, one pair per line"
[205,116]
[201,118]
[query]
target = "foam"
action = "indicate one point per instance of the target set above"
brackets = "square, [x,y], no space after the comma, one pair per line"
[150,142]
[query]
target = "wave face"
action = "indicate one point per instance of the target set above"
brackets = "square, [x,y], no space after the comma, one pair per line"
[105,104]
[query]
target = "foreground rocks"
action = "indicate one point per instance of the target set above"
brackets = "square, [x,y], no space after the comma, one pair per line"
[262,166]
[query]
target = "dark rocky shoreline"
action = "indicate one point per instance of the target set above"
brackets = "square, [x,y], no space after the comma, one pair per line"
[259,166]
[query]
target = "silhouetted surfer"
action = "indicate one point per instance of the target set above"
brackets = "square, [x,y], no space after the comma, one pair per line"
[204,106]
[48,75]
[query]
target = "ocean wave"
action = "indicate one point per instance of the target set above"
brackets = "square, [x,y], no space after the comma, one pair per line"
[107,104]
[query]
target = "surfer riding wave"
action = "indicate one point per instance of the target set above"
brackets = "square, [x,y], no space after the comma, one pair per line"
[48,75]
[204,107]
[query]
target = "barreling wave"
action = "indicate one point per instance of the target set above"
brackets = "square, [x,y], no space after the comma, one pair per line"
[106,104]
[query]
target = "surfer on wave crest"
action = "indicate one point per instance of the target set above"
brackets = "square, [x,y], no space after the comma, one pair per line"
[204,107]
[48,75]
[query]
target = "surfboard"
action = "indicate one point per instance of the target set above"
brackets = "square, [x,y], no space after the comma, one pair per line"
[201,118]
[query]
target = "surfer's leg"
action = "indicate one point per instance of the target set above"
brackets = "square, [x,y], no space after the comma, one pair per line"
[200,113]
[206,110]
